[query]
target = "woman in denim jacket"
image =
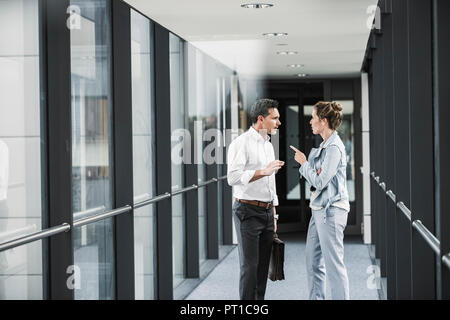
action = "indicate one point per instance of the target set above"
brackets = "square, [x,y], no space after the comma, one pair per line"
[325,170]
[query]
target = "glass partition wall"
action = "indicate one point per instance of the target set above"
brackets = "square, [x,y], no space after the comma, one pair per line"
[143,153]
[197,101]
[22,149]
[92,143]
[197,104]
[177,123]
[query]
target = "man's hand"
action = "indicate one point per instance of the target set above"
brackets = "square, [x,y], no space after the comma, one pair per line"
[272,167]
[319,171]
[299,156]
[275,221]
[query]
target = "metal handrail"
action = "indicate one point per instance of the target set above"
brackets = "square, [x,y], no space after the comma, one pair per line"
[17,233]
[101,216]
[202,184]
[428,236]
[194,186]
[392,196]
[35,236]
[97,217]
[82,214]
[152,200]
[404,209]
[446,260]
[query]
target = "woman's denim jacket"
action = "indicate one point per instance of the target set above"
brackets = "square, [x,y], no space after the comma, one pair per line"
[331,183]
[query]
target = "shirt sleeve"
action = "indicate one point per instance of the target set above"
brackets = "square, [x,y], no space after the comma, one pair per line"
[329,169]
[274,180]
[275,201]
[237,158]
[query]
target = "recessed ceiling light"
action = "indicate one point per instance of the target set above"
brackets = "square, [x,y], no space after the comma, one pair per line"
[295,65]
[281,44]
[275,34]
[287,52]
[256,5]
[302,75]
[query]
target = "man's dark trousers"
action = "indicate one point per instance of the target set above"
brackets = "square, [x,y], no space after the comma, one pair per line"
[254,228]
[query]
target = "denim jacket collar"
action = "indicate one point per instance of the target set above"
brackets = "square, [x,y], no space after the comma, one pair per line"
[330,140]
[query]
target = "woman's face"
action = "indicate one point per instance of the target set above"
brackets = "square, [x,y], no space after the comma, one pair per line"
[317,125]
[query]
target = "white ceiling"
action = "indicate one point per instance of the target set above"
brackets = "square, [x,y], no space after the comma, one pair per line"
[329,35]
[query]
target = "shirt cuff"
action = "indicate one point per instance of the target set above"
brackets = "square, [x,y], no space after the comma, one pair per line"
[247,176]
[275,201]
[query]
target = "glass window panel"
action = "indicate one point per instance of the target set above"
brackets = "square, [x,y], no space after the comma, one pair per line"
[311,141]
[20,277]
[220,92]
[21,153]
[92,148]
[143,155]
[177,123]
[346,132]
[292,138]
[196,98]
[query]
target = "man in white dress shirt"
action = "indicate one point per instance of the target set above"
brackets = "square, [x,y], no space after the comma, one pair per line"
[251,172]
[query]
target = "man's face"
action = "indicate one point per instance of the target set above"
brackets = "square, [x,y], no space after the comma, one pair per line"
[272,121]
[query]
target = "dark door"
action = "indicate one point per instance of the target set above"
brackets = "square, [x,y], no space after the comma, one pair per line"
[295,130]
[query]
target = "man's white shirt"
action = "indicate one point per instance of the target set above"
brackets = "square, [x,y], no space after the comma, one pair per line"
[246,154]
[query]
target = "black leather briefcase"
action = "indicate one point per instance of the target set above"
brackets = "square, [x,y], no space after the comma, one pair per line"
[276,266]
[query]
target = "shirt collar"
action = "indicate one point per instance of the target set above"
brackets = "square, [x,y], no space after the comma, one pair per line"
[257,136]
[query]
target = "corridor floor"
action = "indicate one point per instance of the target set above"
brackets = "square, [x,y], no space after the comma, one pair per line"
[223,282]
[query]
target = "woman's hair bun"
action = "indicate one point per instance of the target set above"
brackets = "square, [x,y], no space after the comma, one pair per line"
[336,106]
[332,111]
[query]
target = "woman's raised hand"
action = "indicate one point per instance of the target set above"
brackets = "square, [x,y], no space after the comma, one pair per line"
[299,156]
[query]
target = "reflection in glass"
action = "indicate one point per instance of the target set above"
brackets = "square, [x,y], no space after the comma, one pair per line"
[292,138]
[208,93]
[346,132]
[223,94]
[91,149]
[220,94]
[143,155]
[196,106]
[177,122]
[21,181]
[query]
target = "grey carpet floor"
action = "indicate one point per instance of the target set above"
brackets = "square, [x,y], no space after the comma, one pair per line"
[223,282]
